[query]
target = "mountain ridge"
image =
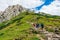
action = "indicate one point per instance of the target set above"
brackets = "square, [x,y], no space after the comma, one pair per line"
[10,12]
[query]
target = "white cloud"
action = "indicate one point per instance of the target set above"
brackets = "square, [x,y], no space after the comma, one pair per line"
[53,8]
[31,3]
[26,3]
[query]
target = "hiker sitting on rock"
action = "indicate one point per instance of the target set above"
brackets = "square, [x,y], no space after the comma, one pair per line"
[37,25]
[34,24]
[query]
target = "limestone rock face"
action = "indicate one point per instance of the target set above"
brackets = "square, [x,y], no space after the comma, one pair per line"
[10,12]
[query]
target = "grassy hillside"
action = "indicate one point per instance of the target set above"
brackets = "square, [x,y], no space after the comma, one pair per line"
[18,27]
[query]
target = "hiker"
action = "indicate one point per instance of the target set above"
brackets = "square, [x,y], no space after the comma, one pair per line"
[37,25]
[42,26]
[34,25]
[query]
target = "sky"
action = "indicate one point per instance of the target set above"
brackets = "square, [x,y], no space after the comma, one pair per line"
[46,6]
[46,3]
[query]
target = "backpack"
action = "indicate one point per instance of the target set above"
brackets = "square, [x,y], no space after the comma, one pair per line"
[42,26]
[37,25]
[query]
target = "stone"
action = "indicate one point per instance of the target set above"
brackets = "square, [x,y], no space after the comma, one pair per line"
[10,12]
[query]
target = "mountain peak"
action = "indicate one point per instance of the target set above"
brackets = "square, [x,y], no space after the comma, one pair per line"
[11,11]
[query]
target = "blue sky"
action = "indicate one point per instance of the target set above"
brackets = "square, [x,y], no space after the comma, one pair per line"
[47,6]
[46,3]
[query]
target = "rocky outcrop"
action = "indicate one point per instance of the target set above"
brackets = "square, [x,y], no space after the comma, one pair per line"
[10,12]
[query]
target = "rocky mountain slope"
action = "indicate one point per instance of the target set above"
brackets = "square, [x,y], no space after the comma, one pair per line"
[20,27]
[10,12]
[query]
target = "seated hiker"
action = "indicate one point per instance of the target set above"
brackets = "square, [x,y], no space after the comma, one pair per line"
[34,24]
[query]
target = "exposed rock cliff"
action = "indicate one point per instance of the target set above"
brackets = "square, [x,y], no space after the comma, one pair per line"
[10,12]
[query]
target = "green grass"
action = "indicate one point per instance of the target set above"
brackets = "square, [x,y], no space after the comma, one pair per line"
[17,26]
